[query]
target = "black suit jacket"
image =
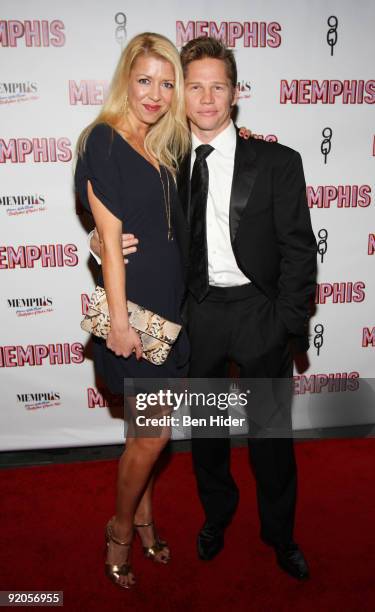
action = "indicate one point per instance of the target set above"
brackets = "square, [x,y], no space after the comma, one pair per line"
[270,228]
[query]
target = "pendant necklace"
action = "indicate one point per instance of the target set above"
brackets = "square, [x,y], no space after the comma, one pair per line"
[167,202]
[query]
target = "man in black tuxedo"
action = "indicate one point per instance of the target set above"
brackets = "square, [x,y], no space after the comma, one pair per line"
[251,271]
[250,256]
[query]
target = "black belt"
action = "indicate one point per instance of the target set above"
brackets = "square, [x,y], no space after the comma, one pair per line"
[231,294]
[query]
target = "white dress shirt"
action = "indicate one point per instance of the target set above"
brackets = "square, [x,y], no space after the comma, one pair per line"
[222,266]
[95,256]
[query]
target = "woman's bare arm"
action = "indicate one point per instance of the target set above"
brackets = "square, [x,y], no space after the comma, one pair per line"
[122,338]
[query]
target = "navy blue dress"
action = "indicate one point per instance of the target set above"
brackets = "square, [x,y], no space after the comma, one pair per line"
[130,187]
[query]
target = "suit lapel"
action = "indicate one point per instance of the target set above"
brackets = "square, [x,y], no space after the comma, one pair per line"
[244,175]
[183,185]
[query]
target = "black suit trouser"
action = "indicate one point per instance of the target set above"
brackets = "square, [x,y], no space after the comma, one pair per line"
[241,325]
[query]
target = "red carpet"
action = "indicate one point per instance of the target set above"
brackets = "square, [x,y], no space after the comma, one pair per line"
[53,521]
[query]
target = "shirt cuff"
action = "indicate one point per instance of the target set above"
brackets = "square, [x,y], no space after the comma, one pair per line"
[95,256]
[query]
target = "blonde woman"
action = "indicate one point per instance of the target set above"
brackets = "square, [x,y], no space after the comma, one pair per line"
[125,175]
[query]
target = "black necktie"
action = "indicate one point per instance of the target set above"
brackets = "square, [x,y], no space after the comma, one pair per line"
[198,263]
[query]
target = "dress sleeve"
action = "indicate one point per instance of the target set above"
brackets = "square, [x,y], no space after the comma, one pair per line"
[98,165]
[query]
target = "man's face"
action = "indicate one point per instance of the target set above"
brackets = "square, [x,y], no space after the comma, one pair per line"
[209,95]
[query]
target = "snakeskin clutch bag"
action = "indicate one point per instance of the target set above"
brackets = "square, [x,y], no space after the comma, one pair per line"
[156,333]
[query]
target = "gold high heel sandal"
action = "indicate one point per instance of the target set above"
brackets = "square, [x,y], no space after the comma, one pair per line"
[112,570]
[152,552]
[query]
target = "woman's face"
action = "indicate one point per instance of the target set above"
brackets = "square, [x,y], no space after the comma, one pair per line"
[150,91]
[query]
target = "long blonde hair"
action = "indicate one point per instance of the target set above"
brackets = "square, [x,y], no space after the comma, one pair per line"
[168,140]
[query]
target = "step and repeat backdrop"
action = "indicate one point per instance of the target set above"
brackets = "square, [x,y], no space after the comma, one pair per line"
[306,79]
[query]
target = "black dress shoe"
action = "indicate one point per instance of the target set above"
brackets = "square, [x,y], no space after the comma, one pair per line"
[290,558]
[210,541]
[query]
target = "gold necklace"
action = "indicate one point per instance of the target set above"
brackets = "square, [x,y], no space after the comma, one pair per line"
[167,203]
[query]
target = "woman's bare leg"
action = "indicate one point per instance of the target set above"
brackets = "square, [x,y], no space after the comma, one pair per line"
[134,479]
[144,516]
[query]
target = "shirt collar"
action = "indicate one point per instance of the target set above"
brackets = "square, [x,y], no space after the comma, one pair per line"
[225,142]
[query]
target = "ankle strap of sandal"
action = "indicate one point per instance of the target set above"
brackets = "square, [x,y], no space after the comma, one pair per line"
[144,524]
[113,537]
